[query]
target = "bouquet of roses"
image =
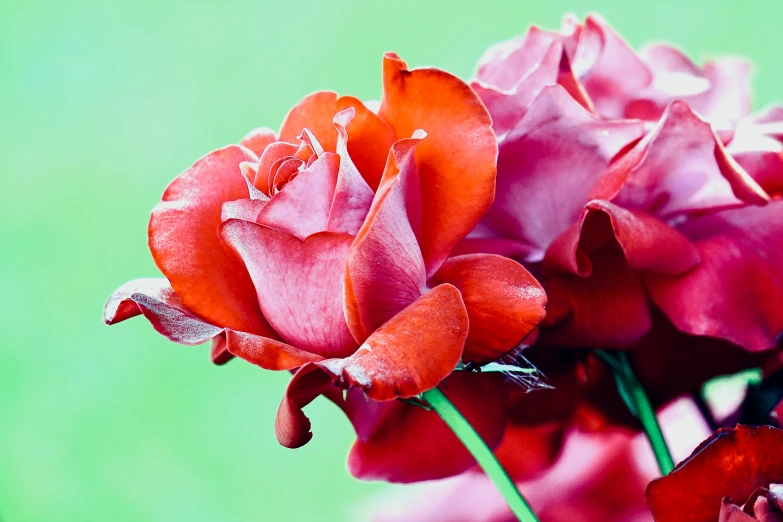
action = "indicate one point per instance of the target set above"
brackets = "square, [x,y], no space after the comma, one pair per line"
[522,282]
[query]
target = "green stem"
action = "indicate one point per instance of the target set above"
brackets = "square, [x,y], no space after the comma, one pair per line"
[481,452]
[638,403]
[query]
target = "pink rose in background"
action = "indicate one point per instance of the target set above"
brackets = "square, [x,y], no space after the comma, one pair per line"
[599,477]
[630,181]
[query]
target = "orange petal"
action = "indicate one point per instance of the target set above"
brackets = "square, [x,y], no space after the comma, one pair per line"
[503,300]
[457,159]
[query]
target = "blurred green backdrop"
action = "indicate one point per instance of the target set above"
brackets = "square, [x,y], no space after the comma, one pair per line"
[101,104]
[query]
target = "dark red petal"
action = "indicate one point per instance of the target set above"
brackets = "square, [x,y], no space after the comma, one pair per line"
[456,161]
[267,353]
[386,270]
[398,442]
[607,308]
[551,160]
[736,292]
[185,245]
[504,302]
[680,166]
[302,207]
[732,463]
[299,284]
[161,306]
[292,427]
[258,139]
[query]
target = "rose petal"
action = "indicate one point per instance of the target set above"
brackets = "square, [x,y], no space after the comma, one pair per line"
[272,154]
[409,355]
[299,284]
[301,208]
[352,196]
[266,353]
[258,139]
[399,442]
[551,160]
[732,464]
[504,302]
[385,271]
[736,292]
[184,243]
[680,166]
[244,209]
[456,162]
[162,307]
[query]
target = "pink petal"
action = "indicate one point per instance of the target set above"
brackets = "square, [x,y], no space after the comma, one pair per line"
[547,166]
[299,284]
[736,292]
[301,208]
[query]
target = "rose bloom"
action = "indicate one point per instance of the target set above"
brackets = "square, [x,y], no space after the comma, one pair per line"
[326,249]
[733,476]
[599,477]
[646,197]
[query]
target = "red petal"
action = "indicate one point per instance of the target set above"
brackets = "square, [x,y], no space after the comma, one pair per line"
[680,166]
[184,243]
[299,284]
[398,442]
[258,139]
[457,160]
[302,207]
[244,209]
[270,157]
[504,302]
[736,292]
[410,354]
[315,113]
[551,160]
[385,270]
[732,463]
[267,353]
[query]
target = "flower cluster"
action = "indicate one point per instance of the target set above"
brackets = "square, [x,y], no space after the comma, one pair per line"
[576,197]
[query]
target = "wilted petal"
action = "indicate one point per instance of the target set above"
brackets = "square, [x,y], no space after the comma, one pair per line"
[162,307]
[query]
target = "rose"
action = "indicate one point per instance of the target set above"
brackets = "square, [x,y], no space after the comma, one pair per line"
[326,250]
[620,214]
[735,467]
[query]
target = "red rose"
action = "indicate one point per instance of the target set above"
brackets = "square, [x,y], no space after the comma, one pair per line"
[733,476]
[326,249]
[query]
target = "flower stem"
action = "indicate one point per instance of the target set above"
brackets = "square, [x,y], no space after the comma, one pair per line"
[635,398]
[481,452]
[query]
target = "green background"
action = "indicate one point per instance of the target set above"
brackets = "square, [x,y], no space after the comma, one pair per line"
[101,105]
